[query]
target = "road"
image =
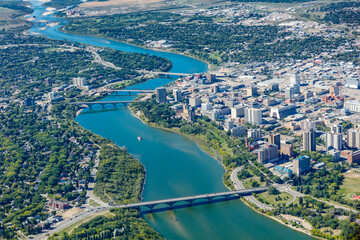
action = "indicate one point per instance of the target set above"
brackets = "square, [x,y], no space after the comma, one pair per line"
[90,211]
[239,185]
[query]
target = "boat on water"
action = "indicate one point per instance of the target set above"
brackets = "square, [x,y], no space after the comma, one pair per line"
[139,138]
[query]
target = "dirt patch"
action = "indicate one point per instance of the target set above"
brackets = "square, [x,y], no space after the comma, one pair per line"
[303,222]
[117,3]
[71,212]
[353,175]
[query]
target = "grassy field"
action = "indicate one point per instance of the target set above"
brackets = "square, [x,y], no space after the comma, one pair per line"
[274,199]
[93,203]
[351,184]
[249,183]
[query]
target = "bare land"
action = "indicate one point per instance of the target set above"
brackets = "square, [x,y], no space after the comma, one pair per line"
[117,3]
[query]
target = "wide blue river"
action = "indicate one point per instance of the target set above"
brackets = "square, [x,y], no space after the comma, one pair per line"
[174,165]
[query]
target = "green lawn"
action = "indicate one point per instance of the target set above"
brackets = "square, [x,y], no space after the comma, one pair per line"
[274,199]
[350,186]
[256,181]
[93,203]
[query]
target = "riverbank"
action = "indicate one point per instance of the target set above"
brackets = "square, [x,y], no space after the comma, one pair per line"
[203,147]
[209,66]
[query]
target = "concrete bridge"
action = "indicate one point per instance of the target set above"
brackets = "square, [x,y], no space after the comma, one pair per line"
[191,200]
[166,73]
[129,91]
[102,103]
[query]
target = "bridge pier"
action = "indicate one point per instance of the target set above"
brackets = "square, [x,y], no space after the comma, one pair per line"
[170,204]
[150,207]
[190,202]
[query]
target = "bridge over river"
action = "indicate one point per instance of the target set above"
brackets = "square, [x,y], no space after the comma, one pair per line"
[191,200]
[102,103]
[171,203]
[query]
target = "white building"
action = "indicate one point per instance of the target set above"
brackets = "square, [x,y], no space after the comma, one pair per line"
[253,116]
[334,138]
[352,106]
[282,112]
[194,101]
[177,95]
[353,139]
[206,106]
[294,79]
[307,124]
[352,83]
[79,82]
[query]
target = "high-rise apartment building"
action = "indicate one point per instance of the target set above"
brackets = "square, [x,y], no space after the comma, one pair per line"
[177,95]
[334,138]
[274,138]
[267,153]
[309,140]
[254,134]
[253,116]
[353,139]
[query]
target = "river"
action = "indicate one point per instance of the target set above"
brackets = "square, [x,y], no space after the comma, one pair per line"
[174,165]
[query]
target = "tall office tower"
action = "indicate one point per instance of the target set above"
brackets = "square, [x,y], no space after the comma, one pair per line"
[252,92]
[294,79]
[253,115]
[274,138]
[160,94]
[301,165]
[309,140]
[237,111]
[334,138]
[334,90]
[177,95]
[353,139]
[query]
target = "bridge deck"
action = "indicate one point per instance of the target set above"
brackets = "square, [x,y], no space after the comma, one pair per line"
[101,102]
[192,198]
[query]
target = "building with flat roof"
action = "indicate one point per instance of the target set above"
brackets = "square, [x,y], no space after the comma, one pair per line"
[267,153]
[309,140]
[195,101]
[286,150]
[282,172]
[352,83]
[252,91]
[352,106]
[160,95]
[237,111]
[274,138]
[351,156]
[253,116]
[282,112]
[301,165]
[353,138]
[177,95]
[255,134]
[334,138]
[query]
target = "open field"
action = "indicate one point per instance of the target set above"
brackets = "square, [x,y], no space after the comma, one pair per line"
[283,197]
[351,184]
[118,3]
